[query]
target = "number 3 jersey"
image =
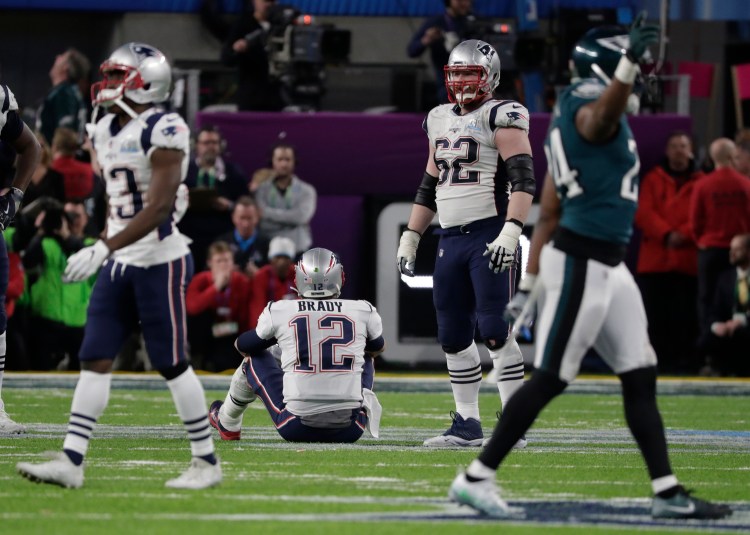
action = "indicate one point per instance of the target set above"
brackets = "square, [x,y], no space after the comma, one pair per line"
[322,350]
[597,184]
[473,182]
[124,155]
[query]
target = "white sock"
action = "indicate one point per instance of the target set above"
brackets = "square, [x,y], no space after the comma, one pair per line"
[465,372]
[478,470]
[3,350]
[660,484]
[508,361]
[89,401]
[190,401]
[238,398]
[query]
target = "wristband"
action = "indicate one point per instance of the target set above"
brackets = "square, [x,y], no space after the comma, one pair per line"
[626,71]
[514,221]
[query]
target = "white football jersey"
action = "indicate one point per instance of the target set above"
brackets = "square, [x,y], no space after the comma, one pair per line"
[125,159]
[322,350]
[7,103]
[469,185]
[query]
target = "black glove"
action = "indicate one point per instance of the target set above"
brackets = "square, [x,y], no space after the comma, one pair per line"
[9,204]
[642,36]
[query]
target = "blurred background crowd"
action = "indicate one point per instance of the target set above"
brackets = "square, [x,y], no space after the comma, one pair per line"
[250,215]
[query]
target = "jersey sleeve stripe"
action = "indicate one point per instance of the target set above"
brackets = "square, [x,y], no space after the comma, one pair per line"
[6,98]
[424,125]
[146,134]
[493,115]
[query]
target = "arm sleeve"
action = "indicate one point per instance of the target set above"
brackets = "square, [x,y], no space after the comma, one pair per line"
[252,344]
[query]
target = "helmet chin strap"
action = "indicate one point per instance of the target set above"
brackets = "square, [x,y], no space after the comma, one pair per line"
[127,109]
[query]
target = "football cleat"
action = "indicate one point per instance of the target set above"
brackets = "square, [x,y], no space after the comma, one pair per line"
[200,475]
[7,425]
[462,433]
[483,496]
[213,419]
[520,444]
[683,505]
[60,470]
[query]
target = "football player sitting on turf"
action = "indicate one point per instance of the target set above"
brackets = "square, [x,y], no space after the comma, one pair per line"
[322,391]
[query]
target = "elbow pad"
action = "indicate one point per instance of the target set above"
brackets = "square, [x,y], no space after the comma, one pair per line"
[521,173]
[426,192]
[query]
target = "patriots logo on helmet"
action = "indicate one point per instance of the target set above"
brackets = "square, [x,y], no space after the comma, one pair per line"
[143,51]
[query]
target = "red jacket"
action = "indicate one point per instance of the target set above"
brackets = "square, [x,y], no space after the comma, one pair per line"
[663,208]
[79,177]
[202,295]
[267,286]
[721,208]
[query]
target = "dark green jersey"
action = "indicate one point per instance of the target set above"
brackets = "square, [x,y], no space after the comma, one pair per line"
[597,183]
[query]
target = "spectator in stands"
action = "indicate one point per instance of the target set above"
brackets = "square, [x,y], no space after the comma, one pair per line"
[720,209]
[287,203]
[58,308]
[245,48]
[215,184]
[728,343]
[217,306]
[16,341]
[248,246]
[742,140]
[64,105]
[274,281]
[668,257]
[78,176]
[45,182]
[440,34]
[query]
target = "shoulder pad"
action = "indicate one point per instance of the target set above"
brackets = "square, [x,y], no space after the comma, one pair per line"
[508,114]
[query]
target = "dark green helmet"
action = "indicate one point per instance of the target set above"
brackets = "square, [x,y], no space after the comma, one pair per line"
[602,46]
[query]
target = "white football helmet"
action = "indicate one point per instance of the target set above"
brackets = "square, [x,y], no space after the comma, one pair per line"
[136,71]
[473,71]
[319,274]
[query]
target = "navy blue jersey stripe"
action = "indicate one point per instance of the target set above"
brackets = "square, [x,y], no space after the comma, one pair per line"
[146,134]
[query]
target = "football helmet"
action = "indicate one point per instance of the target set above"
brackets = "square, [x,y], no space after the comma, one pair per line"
[136,71]
[319,274]
[473,71]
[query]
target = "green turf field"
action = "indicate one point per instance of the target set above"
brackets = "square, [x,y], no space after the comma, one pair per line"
[581,472]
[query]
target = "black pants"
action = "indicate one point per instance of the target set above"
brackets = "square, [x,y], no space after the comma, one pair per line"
[711,262]
[670,302]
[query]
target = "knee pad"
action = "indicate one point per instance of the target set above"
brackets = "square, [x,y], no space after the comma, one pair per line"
[174,371]
[239,384]
[455,349]
[508,354]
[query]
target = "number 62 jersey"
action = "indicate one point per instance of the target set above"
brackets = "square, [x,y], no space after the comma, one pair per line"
[124,155]
[472,184]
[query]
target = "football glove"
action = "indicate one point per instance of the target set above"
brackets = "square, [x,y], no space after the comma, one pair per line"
[502,250]
[86,262]
[515,306]
[9,204]
[641,36]
[406,256]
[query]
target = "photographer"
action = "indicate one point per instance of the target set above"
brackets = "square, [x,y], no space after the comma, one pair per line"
[440,34]
[245,48]
[58,309]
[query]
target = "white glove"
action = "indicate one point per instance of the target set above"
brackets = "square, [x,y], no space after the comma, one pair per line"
[85,262]
[503,249]
[515,306]
[407,252]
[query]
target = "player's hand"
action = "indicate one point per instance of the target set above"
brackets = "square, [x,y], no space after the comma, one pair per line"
[85,262]
[515,306]
[502,250]
[642,36]
[9,204]
[406,256]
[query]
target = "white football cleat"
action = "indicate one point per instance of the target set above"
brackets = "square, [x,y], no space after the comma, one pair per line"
[521,444]
[200,475]
[482,496]
[58,471]
[8,426]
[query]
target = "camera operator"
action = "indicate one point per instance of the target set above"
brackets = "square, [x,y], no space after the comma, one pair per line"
[441,34]
[245,48]
[58,309]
